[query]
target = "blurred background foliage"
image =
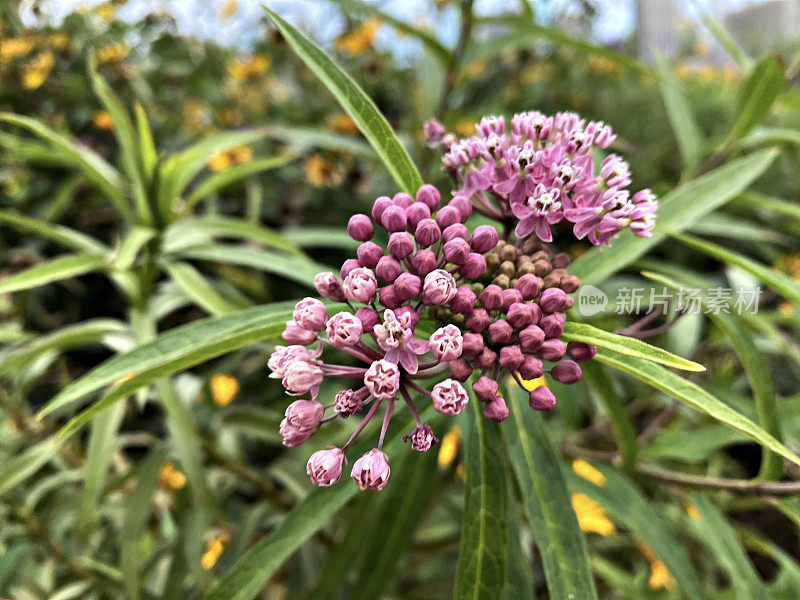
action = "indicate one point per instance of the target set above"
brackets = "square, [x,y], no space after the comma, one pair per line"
[75,512]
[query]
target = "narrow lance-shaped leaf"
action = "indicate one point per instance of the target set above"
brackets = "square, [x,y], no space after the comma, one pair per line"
[680,116]
[757,95]
[176,236]
[63,267]
[357,104]
[59,234]
[197,288]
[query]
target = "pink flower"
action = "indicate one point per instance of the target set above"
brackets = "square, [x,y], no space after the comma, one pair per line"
[360,285]
[283,356]
[396,338]
[439,287]
[304,415]
[382,379]
[371,471]
[449,397]
[301,377]
[446,343]
[422,438]
[310,314]
[328,286]
[538,212]
[293,437]
[294,334]
[325,466]
[344,330]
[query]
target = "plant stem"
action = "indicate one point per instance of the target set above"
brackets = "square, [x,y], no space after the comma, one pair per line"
[456,58]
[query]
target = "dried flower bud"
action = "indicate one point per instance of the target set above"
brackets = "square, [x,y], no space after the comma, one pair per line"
[347,403]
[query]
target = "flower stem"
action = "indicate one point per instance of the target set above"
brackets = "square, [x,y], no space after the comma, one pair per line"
[364,423]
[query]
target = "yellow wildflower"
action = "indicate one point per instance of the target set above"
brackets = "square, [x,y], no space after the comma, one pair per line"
[231,116]
[591,516]
[228,9]
[466,127]
[196,117]
[112,52]
[243,69]
[691,510]
[342,123]
[35,73]
[448,449]
[660,577]
[790,264]
[532,384]
[234,156]
[587,471]
[12,48]
[241,154]
[223,389]
[701,48]
[59,41]
[102,120]
[214,548]
[106,12]
[318,170]
[170,478]
[475,68]
[360,39]
[786,308]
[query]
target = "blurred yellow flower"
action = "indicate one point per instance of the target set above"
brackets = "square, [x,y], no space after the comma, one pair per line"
[587,471]
[532,384]
[475,68]
[229,9]
[214,548]
[235,156]
[591,516]
[691,510]
[448,448]
[106,12]
[196,117]
[12,48]
[465,127]
[223,389]
[660,577]
[231,116]
[318,170]
[112,52]
[786,308]
[701,48]
[789,263]
[342,123]
[35,73]
[170,478]
[102,120]
[602,65]
[59,41]
[360,39]
[243,69]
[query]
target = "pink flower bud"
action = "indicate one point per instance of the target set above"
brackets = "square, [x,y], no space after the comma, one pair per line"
[458,230]
[328,286]
[552,325]
[456,251]
[460,370]
[473,267]
[388,269]
[429,195]
[325,466]
[449,397]
[528,286]
[510,296]
[293,437]
[304,415]
[496,410]
[301,377]
[423,262]
[402,200]
[463,206]
[407,286]
[511,358]
[447,215]
[368,317]
[472,344]
[500,332]
[422,438]
[484,238]
[519,315]
[531,368]
[491,298]
[400,245]
[371,471]
[581,352]
[486,358]
[360,285]
[369,253]
[553,300]
[553,350]
[542,398]
[380,205]
[382,379]
[283,356]
[388,297]
[294,334]
[427,232]
[478,320]
[347,402]
[566,371]
[485,389]
[445,343]
[570,284]
[416,213]
[359,227]
[349,265]
[531,338]
[464,300]
[394,219]
[310,314]
[439,287]
[344,330]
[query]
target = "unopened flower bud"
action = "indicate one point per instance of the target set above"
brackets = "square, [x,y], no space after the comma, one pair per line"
[500,332]
[371,471]
[304,415]
[310,314]
[486,358]
[344,330]
[388,297]
[491,298]
[400,245]
[368,317]
[566,371]
[449,397]
[456,251]
[394,219]
[511,358]
[528,286]
[379,206]
[293,437]
[553,350]
[347,403]
[416,213]
[382,379]
[427,232]
[531,368]
[473,267]
[388,269]
[439,287]
[460,370]
[349,265]
[407,286]
[462,205]
[422,438]
[531,338]
[580,351]
[570,284]
[359,227]
[464,300]
[485,389]
[542,398]
[552,325]
[496,410]
[478,320]
[472,344]
[434,132]
[553,300]
[325,466]
[328,286]
[484,238]
[423,262]
[402,200]
[369,253]
[510,296]
[519,315]
[301,377]
[360,285]
[294,334]
[459,230]
[448,215]
[429,196]
[446,343]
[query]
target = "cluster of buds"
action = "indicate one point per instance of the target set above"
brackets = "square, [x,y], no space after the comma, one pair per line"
[540,172]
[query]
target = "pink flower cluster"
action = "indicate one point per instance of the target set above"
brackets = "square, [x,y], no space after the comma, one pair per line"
[541,172]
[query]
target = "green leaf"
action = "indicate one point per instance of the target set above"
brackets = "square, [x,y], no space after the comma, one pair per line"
[694,396]
[126,254]
[22,465]
[173,351]
[680,117]
[547,502]
[56,233]
[56,269]
[197,230]
[197,288]
[482,555]
[734,50]
[102,444]
[778,206]
[250,573]
[771,136]
[581,332]
[626,504]
[305,138]
[757,95]
[677,210]
[217,181]
[357,104]
[780,282]
[519,580]
[144,138]
[321,237]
